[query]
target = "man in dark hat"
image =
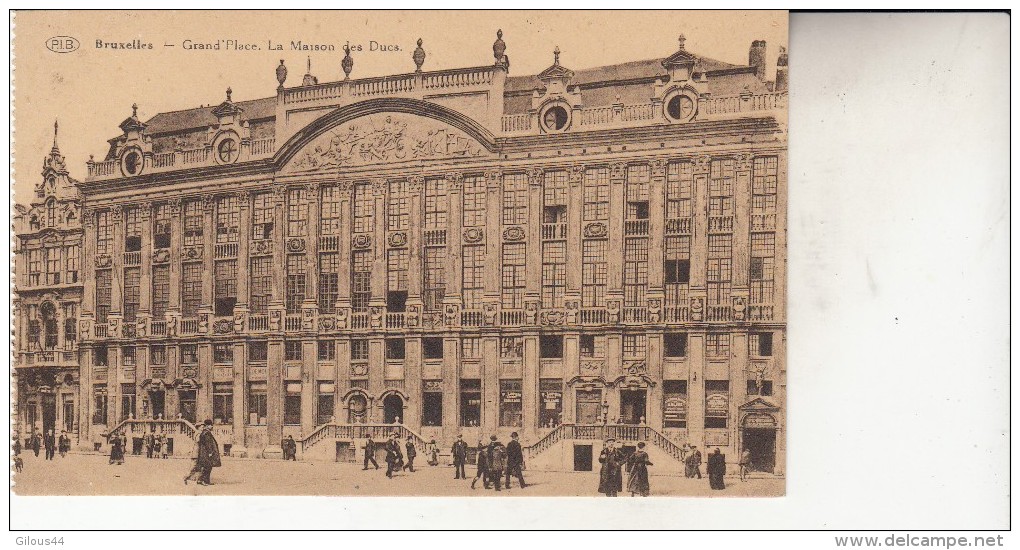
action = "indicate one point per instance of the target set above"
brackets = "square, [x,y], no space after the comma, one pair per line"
[483,467]
[514,461]
[208,453]
[610,476]
[496,461]
[394,458]
[370,454]
[459,452]
[411,453]
[716,470]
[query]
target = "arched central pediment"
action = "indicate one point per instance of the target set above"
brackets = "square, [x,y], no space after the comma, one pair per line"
[384,131]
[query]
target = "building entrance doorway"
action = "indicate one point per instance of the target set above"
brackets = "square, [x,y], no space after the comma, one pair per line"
[761,442]
[188,405]
[393,409]
[589,405]
[157,400]
[632,406]
[49,413]
[68,414]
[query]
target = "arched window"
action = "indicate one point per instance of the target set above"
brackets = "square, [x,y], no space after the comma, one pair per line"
[33,223]
[49,315]
[51,213]
[357,411]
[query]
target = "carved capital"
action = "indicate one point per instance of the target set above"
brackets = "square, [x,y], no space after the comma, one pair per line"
[659,168]
[208,202]
[744,161]
[88,216]
[415,184]
[175,206]
[346,188]
[379,188]
[312,189]
[494,179]
[117,213]
[243,198]
[145,211]
[618,171]
[702,164]
[576,174]
[535,176]
[454,181]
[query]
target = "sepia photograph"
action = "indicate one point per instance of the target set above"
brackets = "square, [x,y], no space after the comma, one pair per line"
[264,259]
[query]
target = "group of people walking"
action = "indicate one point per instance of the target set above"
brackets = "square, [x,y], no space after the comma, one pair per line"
[612,461]
[48,442]
[156,445]
[496,463]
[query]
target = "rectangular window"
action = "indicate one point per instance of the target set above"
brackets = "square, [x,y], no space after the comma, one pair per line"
[674,403]
[326,405]
[515,199]
[292,350]
[297,213]
[225,285]
[104,294]
[511,347]
[510,408]
[764,184]
[635,272]
[596,194]
[361,280]
[432,408]
[53,272]
[101,356]
[635,346]
[104,233]
[674,344]
[554,273]
[326,350]
[331,215]
[432,348]
[191,288]
[471,348]
[680,190]
[263,216]
[762,267]
[474,201]
[550,403]
[295,282]
[436,203]
[257,403]
[127,356]
[261,284]
[719,273]
[761,344]
[554,190]
[99,404]
[473,279]
[593,346]
[160,290]
[258,352]
[759,387]
[514,272]
[72,261]
[157,355]
[162,227]
[717,403]
[396,270]
[35,266]
[359,350]
[223,354]
[398,206]
[364,208]
[132,229]
[394,349]
[720,183]
[228,219]
[470,402]
[329,282]
[132,293]
[223,403]
[594,273]
[292,404]
[717,345]
[551,346]
[127,401]
[638,177]
[435,278]
[194,223]
[189,354]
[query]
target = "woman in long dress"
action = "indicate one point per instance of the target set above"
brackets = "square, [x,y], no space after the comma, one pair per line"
[116,451]
[637,465]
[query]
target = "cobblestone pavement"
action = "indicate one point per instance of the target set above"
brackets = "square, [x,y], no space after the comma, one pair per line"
[90,474]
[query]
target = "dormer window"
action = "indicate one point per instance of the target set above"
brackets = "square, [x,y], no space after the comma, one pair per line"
[227,151]
[132,163]
[680,107]
[555,119]
[33,223]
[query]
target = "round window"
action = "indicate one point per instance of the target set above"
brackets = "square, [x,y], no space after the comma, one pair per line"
[227,150]
[680,107]
[132,163]
[555,119]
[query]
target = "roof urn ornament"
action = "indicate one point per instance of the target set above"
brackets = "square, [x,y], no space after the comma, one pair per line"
[281,74]
[418,57]
[347,64]
[499,49]
[682,40]
[309,79]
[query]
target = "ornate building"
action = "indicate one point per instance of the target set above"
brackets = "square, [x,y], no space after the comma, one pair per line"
[48,286]
[569,255]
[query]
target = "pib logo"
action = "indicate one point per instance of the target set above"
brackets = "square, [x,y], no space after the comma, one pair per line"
[62,44]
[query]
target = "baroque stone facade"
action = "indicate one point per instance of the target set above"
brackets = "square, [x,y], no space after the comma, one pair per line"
[569,255]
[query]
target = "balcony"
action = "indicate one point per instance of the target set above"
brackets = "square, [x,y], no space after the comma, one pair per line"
[189,326]
[718,313]
[102,330]
[395,320]
[676,315]
[258,322]
[226,250]
[761,312]
[594,316]
[679,226]
[721,224]
[132,258]
[329,243]
[176,160]
[359,321]
[435,237]
[292,323]
[511,317]
[635,315]
[472,318]
[158,327]
[763,222]
[554,231]
[635,228]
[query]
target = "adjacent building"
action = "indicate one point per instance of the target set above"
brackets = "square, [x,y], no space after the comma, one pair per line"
[568,255]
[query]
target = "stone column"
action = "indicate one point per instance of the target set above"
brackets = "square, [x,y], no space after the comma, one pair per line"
[113,385]
[653,402]
[451,379]
[240,399]
[489,368]
[379,246]
[696,389]
[575,227]
[533,271]
[779,274]
[614,369]
[309,385]
[376,375]
[244,230]
[85,396]
[656,227]
[208,252]
[203,397]
[415,184]
[145,278]
[571,368]
[87,266]
[742,224]
[617,213]
[274,398]
[176,234]
[344,295]
[529,386]
[454,236]
[739,366]
[413,383]
[699,240]
[493,217]
[343,376]
[313,196]
[117,263]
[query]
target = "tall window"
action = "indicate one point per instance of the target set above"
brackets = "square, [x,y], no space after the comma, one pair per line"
[35,266]
[720,252]
[99,404]
[635,271]
[331,215]
[435,277]
[717,345]
[160,290]
[262,216]
[720,188]
[593,346]
[189,354]
[432,407]
[511,347]
[554,273]
[764,185]
[396,279]
[325,406]
[677,269]
[51,213]
[72,262]
[261,287]
[194,223]
[515,199]
[228,219]
[104,294]
[359,349]
[436,202]
[295,282]
[514,271]
[470,402]
[70,325]
[763,265]
[297,213]
[398,206]
[104,233]
[132,293]
[53,271]
[474,201]
[473,276]
[510,409]
[364,208]
[679,190]
[162,227]
[329,282]
[191,288]
[257,403]
[223,354]
[361,280]
[596,194]
[638,177]
[132,229]
[225,286]
[760,344]
[635,346]
[223,403]
[471,348]
[763,244]
[127,401]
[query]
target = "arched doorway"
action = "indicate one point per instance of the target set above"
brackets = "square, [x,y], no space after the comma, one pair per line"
[357,409]
[393,409]
[758,435]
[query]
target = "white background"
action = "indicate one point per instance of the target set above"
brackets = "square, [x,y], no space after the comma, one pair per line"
[899,316]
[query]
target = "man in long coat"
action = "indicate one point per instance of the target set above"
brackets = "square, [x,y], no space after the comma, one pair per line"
[483,467]
[393,455]
[610,476]
[208,453]
[637,465]
[514,461]
[716,470]
[459,452]
[51,445]
[496,461]
[411,453]
[35,443]
[370,454]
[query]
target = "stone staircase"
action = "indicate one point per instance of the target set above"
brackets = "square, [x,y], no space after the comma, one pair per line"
[184,433]
[623,433]
[351,432]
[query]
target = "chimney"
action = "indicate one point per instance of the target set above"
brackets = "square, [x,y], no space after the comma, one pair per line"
[756,58]
[782,76]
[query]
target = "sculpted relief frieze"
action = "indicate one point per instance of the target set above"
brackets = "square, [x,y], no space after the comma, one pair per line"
[383,138]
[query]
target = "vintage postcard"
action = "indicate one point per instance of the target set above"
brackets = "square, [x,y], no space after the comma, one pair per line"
[400,253]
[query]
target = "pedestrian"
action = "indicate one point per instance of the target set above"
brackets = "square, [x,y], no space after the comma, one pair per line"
[394,458]
[124,442]
[637,466]
[411,453]
[716,470]
[684,451]
[290,448]
[157,444]
[514,461]
[694,462]
[17,445]
[35,443]
[432,451]
[208,453]
[610,476]
[495,459]
[745,464]
[64,444]
[370,454]
[148,441]
[483,467]
[459,452]
[165,445]
[51,445]
[116,451]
